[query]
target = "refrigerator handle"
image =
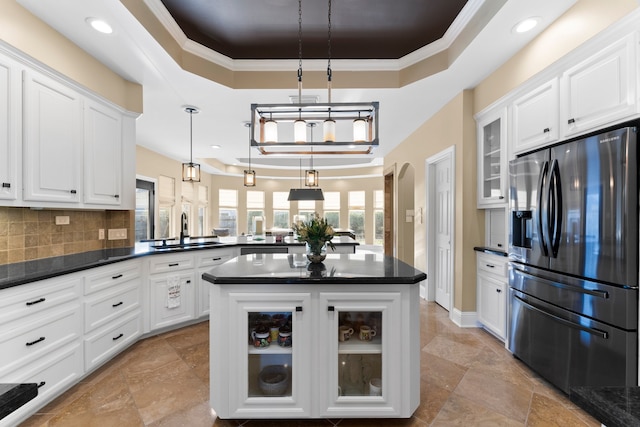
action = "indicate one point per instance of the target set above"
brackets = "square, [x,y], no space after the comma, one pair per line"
[555,188]
[541,228]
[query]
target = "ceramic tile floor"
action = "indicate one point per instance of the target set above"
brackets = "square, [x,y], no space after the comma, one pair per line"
[467,379]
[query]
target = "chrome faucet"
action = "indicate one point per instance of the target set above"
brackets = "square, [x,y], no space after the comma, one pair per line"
[184,228]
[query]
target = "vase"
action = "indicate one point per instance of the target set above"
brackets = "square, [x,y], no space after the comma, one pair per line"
[316,252]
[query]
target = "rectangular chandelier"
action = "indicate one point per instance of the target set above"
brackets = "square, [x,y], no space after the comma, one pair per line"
[347,128]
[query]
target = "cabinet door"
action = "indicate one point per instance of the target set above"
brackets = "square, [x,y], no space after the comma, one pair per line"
[9,128]
[361,353]
[601,89]
[269,377]
[206,260]
[52,140]
[102,154]
[492,304]
[172,298]
[535,118]
[492,159]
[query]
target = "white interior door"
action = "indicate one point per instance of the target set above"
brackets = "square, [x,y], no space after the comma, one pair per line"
[441,212]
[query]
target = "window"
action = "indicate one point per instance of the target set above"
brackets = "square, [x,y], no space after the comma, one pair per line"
[378,217]
[356,214]
[331,208]
[166,201]
[203,204]
[145,203]
[306,209]
[187,203]
[228,213]
[281,208]
[255,210]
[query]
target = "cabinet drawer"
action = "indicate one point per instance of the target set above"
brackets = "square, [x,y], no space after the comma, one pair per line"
[111,275]
[214,257]
[54,373]
[169,263]
[103,345]
[27,341]
[110,305]
[492,264]
[26,300]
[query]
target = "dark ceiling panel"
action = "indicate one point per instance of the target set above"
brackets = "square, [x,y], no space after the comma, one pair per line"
[268,29]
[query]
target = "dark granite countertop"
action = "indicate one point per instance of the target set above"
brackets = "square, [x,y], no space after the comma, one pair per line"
[612,406]
[488,250]
[30,271]
[358,268]
[13,396]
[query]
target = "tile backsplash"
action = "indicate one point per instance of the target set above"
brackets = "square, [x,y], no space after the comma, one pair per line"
[27,234]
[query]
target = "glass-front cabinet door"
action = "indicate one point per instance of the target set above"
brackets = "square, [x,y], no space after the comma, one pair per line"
[270,372]
[362,332]
[492,159]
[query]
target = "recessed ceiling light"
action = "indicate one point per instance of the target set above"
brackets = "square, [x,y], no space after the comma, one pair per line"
[526,25]
[216,146]
[99,25]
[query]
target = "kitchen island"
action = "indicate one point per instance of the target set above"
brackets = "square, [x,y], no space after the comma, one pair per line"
[290,339]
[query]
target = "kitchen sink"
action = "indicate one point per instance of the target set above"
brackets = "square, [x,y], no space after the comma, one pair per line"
[185,245]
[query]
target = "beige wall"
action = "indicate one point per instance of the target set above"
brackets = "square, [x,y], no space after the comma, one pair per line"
[22,30]
[452,125]
[151,164]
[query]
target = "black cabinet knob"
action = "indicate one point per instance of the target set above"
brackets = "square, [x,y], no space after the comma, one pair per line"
[571,121]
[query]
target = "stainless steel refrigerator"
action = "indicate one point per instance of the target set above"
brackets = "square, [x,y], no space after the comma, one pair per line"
[573,260]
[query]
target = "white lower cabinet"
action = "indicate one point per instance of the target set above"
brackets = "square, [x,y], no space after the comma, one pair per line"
[348,355]
[171,289]
[205,261]
[40,338]
[492,283]
[112,311]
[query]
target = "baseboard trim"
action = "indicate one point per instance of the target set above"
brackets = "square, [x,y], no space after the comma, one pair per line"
[467,319]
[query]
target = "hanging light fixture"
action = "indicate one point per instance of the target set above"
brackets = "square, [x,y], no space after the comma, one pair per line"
[363,116]
[305,193]
[249,174]
[311,175]
[329,125]
[191,171]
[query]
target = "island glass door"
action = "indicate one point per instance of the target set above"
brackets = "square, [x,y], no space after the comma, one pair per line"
[269,365]
[363,334]
[360,353]
[270,350]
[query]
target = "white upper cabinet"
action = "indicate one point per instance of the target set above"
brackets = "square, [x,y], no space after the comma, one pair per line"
[601,89]
[535,117]
[492,159]
[60,145]
[52,126]
[102,154]
[9,128]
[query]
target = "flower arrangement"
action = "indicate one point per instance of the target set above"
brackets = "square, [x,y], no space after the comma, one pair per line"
[316,232]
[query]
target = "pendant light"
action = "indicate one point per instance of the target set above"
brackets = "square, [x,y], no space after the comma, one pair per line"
[311,175]
[305,193]
[249,174]
[329,125]
[191,171]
